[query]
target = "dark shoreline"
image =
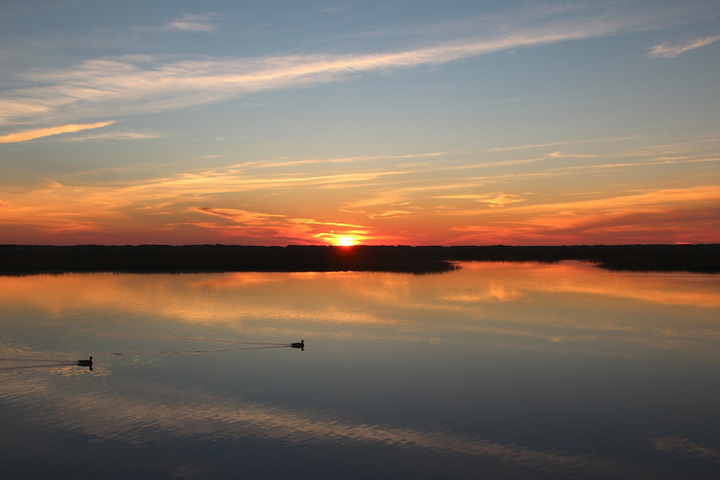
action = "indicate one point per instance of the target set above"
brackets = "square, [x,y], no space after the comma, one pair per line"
[32,259]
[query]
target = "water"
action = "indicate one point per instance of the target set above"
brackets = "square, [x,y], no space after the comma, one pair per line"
[493,371]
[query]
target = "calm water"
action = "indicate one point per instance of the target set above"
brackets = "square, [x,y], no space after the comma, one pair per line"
[492,371]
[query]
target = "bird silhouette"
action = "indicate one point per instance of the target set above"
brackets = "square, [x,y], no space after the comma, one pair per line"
[86,363]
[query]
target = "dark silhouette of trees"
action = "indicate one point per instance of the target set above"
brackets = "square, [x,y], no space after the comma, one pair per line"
[27,259]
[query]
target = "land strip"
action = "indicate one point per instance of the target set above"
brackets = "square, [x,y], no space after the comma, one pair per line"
[34,259]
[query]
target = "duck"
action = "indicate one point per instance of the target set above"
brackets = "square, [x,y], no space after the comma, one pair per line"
[85,363]
[300,344]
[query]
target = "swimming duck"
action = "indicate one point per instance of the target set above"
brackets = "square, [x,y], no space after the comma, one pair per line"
[300,344]
[85,363]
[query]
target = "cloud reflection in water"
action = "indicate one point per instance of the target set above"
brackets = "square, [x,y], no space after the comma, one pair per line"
[520,370]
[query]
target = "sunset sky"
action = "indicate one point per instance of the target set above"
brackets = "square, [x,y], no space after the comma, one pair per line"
[359,121]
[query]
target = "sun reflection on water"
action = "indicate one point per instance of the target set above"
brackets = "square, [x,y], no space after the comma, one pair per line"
[494,364]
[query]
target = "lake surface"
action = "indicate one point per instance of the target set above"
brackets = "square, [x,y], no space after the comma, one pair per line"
[497,370]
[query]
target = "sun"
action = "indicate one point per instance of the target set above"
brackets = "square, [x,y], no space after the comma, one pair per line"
[346,241]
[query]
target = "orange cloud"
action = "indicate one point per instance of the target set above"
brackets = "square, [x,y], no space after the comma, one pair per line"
[493,200]
[662,216]
[27,135]
[260,226]
[420,198]
[653,200]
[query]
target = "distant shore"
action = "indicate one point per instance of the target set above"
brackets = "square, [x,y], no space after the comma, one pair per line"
[31,259]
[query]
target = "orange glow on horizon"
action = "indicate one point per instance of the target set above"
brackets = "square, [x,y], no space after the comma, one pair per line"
[167,210]
[346,241]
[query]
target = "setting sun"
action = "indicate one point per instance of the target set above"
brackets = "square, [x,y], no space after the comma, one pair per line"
[346,241]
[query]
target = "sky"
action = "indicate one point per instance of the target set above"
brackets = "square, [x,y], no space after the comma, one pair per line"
[359,122]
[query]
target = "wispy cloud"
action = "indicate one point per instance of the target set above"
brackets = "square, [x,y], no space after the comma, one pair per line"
[630,202]
[193,23]
[339,7]
[685,446]
[250,203]
[663,50]
[115,136]
[135,84]
[243,217]
[493,200]
[388,213]
[26,135]
[363,158]
[260,226]
[525,147]
[181,414]
[663,215]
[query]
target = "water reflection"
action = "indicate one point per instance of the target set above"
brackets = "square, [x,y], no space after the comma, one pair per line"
[119,418]
[498,370]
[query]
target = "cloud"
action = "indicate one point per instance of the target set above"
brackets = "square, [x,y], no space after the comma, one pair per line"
[116,136]
[243,217]
[389,213]
[260,226]
[27,135]
[685,446]
[189,414]
[134,84]
[525,147]
[193,23]
[363,158]
[340,7]
[708,194]
[669,51]
[660,216]
[493,200]
[251,203]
